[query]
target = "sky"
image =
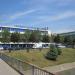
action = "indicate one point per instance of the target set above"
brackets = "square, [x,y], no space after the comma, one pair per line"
[57,15]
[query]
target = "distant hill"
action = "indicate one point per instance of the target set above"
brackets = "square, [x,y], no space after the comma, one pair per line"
[72,34]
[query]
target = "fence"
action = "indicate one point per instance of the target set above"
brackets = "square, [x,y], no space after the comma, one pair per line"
[22,67]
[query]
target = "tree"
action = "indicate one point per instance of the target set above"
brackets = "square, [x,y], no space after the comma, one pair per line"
[0,36]
[57,39]
[22,38]
[45,38]
[5,36]
[26,36]
[59,50]
[62,39]
[53,53]
[52,38]
[68,40]
[35,36]
[71,40]
[15,37]
[74,43]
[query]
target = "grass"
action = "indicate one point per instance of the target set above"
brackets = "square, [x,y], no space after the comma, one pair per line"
[38,58]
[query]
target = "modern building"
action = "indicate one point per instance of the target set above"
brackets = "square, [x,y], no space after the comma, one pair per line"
[72,34]
[22,29]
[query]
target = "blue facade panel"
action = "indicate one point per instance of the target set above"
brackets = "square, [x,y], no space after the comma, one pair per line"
[12,29]
[21,30]
[0,28]
[5,28]
[17,29]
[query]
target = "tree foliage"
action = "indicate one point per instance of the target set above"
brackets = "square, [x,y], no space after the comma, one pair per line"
[26,35]
[45,38]
[62,39]
[59,50]
[52,38]
[74,43]
[57,39]
[53,53]
[22,38]
[68,40]
[35,36]
[5,36]
[15,37]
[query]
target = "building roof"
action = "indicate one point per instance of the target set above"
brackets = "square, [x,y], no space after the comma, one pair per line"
[68,33]
[23,27]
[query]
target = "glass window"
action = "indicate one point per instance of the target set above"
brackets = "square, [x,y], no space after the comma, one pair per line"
[21,30]
[12,29]
[17,30]
[0,28]
[3,28]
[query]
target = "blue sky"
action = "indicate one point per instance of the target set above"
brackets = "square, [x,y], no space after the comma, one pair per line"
[57,15]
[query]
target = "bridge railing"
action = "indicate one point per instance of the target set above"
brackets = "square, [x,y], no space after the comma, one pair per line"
[24,68]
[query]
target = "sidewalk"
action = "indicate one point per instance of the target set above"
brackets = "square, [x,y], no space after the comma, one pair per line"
[61,68]
[5,69]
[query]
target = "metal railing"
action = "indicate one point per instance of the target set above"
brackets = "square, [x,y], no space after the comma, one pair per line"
[24,68]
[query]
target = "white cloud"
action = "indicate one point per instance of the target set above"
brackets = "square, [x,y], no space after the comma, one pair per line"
[64,15]
[57,17]
[19,14]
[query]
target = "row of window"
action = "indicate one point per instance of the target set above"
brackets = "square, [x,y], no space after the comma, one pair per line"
[19,30]
[13,29]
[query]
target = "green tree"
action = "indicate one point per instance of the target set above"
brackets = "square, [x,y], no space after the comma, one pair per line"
[46,38]
[35,36]
[68,40]
[57,39]
[71,40]
[15,37]
[52,38]
[59,50]
[0,36]
[62,39]
[53,53]
[5,36]
[74,43]
[22,38]
[26,36]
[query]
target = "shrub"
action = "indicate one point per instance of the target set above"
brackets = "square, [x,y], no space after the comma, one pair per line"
[53,53]
[59,51]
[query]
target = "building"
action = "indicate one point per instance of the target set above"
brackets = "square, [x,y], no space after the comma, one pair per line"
[72,34]
[22,29]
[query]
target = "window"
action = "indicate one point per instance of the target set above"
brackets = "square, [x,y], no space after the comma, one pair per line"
[19,30]
[12,29]
[0,28]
